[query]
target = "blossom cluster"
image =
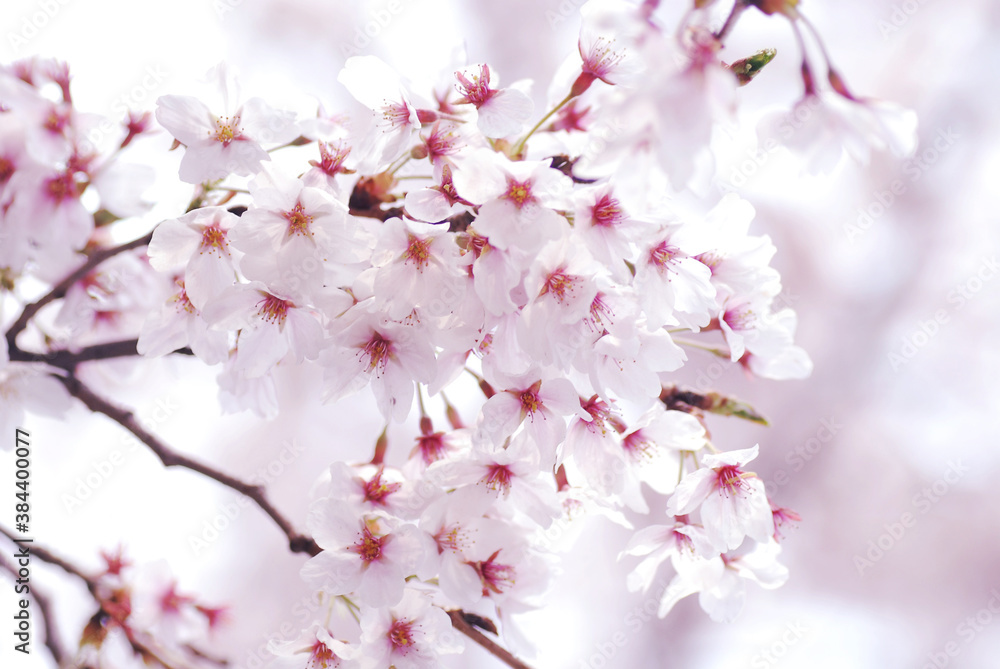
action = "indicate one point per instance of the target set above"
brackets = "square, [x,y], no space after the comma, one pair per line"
[568,266]
[142,612]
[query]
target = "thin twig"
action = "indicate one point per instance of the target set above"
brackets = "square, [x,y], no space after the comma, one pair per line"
[730,23]
[46,556]
[298,543]
[52,641]
[145,649]
[140,647]
[197,652]
[459,622]
[59,290]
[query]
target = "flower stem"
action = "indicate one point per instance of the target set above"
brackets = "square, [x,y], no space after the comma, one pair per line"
[392,170]
[352,608]
[714,350]
[59,290]
[459,622]
[520,144]
[731,20]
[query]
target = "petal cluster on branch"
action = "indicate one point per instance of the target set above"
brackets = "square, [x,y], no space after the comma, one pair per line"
[433,244]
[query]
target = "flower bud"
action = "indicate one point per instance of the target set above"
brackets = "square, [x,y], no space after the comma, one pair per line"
[746,69]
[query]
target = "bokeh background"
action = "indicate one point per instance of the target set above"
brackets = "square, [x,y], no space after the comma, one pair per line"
[897,303]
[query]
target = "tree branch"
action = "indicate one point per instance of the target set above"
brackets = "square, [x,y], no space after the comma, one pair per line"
[459,622]
[52,641]
[68,360]
[45,556]
[59,290]
[298,543]
[140,647]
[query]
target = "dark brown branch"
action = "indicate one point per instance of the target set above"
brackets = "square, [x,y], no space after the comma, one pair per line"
[377,213]
[59,290]
[140,647]
[45,556]
[52,641]
[459,622]
[68,360]
[298,543]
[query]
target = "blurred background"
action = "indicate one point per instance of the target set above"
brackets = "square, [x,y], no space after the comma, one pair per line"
[890,266]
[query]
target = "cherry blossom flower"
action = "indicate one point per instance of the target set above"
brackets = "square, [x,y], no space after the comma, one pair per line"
[368,489]
[501,111]
[511,575]
[721,581]
[673,118]
[314,648]
[456,523]
[27,387]
[782,517]
[765,338]
[606,45]
[541,405]
[511,475]
[121,187]
[198,243]
[336,138]
[159,606]
[13,154]
[434,446]
[178,324]
[500,353]
[724,599]
[673,287]
[592,451]
[496,273]
[677,542]
[416,252]
[53,128]
[738,261]
[780,358]
[270,326]
[561,290]
[387,355]
[653,447]
[444,145]
[377,86]
[733,502]
[605,227]
[436,203]
[414,634]
[649,452]
[417,265]
[228,143]
[517,200]
[370,556]
[629,367]
[823,126]
[47,208]
[292,231]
